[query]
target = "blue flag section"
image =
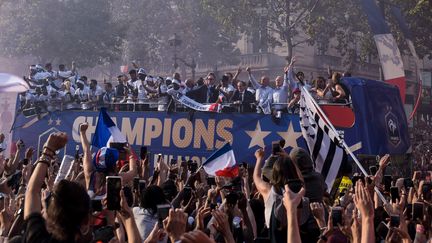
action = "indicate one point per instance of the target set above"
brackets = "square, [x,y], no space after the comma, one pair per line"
[380,127]
[381,124]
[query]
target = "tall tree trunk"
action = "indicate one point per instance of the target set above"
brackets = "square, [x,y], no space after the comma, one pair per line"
[289,50]
[287,31]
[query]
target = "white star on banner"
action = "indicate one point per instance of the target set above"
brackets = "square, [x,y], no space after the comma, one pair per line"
[290,136]
[50,121]
[257,136]
[58,122]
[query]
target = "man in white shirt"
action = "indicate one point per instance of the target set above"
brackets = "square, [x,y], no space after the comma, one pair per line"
[82,92]
[163,97]
[226,88]
[131,82]
[263,94]
[96,91]
[280,94]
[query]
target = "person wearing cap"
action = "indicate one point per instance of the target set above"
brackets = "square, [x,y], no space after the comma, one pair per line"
[314,182]
[82,92]
[104,163]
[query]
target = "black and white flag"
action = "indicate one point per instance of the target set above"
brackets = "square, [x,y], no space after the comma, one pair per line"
[323,142]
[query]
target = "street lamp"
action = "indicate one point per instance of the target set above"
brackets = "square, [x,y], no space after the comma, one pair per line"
[175,41]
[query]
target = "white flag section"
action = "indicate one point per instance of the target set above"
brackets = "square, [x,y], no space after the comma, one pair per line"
[12,84]
[186,101]
[65,166]
[322,141]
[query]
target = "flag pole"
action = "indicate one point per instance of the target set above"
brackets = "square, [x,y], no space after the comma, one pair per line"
[342,141]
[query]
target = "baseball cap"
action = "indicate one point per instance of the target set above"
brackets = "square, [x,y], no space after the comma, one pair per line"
[105,159]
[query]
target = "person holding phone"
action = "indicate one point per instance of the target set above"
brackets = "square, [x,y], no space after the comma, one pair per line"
[68,211]
[95,172]
[284,170]
[146,215]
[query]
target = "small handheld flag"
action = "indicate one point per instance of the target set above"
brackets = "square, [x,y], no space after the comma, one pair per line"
[222,163]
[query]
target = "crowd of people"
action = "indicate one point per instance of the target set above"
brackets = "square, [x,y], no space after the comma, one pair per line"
[67,90]
[115,196]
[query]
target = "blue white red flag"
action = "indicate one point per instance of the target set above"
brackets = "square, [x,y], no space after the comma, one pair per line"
[106,131]
[222,163]
[388,51]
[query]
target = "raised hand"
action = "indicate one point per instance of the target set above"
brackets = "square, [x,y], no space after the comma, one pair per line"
[56,141]
[317,210]
[221,223]
[196,236]
[363,201]
[259,154]
[203,212]
[175,224]
[29,153]
[83,127]
[156,235]
[384,161]
[291,199]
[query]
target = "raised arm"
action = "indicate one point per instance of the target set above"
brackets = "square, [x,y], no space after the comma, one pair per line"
[262,186]
[12,165]
[363,201]
[133,170]
[341,92]
[237,74]
[291,200]
[32,203]
[252,79]
[128,220]
[163,171]
[289,76]
[87,162]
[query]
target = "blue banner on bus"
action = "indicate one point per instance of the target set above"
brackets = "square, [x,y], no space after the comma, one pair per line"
[379,126]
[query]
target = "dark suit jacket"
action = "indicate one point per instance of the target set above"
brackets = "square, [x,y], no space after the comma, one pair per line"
[212,94]
[199,94]
[248,99]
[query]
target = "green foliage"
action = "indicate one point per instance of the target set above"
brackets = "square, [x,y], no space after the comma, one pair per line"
[60,31]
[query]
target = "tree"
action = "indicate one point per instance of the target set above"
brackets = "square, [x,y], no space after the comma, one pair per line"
[149,31]
[60,31]
[284,19]
[419,19]
[204,39]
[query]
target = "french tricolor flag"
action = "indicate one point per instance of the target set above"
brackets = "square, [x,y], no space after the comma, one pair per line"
[388,51]
[106,131]
[222,163]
